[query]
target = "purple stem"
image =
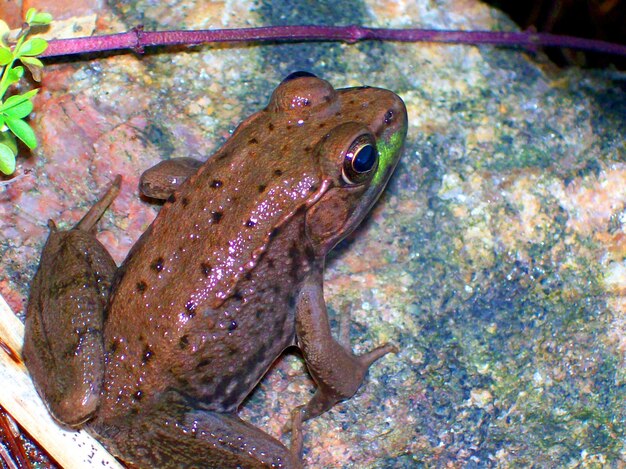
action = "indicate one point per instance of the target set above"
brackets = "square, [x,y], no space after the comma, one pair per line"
[137,39]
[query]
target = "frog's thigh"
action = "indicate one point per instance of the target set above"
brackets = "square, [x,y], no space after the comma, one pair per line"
[160,181]
[337,372]
[176,435]
[63,338]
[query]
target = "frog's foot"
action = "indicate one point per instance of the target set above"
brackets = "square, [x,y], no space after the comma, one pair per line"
[63,339]
[163,179]
[88,222]
[176,433]
[320,403]
[326,396]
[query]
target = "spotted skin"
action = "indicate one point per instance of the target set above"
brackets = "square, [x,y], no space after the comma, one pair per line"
[229,274]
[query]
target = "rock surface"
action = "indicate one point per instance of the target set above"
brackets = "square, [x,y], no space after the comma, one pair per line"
[495,259]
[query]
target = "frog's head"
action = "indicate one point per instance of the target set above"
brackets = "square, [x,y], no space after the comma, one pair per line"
[363,133]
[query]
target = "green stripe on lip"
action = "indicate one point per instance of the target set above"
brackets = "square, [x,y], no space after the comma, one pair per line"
[388,154]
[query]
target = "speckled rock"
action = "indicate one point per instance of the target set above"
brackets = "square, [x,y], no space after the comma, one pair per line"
[495,259]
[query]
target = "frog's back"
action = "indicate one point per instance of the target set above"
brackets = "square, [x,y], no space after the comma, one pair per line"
[204,301]
[218,265]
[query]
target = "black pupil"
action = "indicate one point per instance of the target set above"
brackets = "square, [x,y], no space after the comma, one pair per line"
[364,160]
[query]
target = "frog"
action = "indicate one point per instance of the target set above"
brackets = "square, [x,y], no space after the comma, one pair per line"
[155,357]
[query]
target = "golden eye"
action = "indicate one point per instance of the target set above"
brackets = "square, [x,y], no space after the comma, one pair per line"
[361,160]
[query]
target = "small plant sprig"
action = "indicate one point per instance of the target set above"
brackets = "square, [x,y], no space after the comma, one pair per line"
[16,108]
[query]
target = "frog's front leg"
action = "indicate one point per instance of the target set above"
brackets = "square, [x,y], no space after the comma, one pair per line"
[63,347]
[160,181]
[337,372]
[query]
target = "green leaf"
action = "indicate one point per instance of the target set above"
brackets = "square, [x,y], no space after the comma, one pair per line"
[18,98]
[8,139]
[14,75]
[19,111]
[34,66]
[33,17]
[5,56]
[7,159]
[22,131]
[11,76]
[30,94]
[30,14]
[31,47]
[41,18]
[18,106]
[31,62]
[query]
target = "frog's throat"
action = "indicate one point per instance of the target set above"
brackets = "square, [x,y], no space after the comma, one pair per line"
[387,151]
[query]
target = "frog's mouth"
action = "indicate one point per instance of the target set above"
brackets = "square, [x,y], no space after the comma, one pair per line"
[389,151]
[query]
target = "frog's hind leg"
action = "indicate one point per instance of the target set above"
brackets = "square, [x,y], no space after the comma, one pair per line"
[177,433]
[63,347]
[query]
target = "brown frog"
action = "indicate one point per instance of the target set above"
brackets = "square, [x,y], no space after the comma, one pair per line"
[155,357]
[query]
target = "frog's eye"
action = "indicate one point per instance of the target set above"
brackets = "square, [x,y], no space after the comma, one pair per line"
[361,160]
